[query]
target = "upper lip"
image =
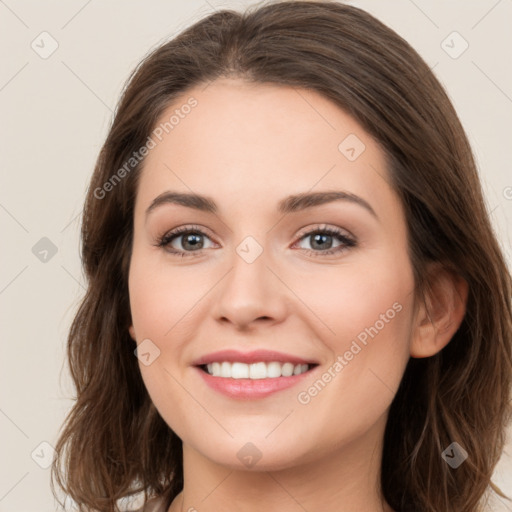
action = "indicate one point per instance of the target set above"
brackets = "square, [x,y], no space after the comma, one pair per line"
[255,356]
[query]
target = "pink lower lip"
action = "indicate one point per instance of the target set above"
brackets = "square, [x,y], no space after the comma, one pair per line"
[250,388]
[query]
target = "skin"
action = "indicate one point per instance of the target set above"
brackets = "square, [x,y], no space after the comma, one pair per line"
[248,146]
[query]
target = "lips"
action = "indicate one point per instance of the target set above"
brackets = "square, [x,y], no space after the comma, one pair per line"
[253,386]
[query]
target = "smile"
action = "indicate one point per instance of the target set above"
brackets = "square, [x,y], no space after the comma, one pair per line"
[254,371]
[255,380]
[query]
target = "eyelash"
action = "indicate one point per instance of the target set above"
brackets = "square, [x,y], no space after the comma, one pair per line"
[167,238]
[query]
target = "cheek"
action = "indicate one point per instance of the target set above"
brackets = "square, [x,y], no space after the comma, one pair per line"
[164,303]
[369,311]
[160,296]
[159,301]
[350,299]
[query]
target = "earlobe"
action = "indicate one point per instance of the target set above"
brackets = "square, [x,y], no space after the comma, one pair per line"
[439,317]
[131,330]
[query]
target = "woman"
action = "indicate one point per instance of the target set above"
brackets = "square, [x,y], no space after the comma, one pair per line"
[370,374]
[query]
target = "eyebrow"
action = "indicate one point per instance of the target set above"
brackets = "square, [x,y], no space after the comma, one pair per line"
[290,204]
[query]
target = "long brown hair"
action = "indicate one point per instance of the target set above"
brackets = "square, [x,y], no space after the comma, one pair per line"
[114,443]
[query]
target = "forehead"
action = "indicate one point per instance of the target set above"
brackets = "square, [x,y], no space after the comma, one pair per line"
[265,141]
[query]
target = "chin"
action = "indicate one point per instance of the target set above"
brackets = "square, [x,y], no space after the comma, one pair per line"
[254,452]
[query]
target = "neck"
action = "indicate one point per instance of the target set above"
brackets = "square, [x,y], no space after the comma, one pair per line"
[345,479]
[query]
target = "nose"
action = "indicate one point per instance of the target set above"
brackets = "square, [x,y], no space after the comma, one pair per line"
[251,293]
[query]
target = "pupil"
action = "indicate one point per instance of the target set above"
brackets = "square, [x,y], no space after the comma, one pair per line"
[189,240]
[318,237]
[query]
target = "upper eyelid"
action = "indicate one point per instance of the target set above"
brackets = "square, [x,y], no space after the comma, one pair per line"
[324,227]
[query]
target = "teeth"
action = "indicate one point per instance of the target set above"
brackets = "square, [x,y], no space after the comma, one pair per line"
[255,370]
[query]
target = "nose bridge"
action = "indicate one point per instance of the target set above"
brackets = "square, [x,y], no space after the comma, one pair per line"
[250,290]
[248,278]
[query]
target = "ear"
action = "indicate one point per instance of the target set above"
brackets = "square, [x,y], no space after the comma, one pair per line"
[440,315]
[131,330]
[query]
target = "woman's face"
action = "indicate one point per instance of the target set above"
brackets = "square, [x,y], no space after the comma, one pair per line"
[271,269]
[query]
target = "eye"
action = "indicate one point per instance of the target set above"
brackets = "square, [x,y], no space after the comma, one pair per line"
[322,239]
[192,241]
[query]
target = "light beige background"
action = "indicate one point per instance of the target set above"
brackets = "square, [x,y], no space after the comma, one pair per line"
[55,114]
